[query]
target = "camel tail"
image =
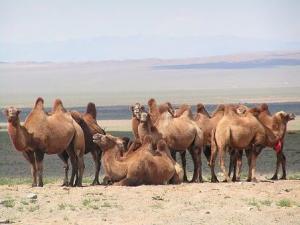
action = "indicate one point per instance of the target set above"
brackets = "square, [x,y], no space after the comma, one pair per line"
[213,146]
[91,109]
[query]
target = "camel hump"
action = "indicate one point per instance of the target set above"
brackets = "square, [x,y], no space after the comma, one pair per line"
[76,116]
[151,101]
[58,105]
[39,103]
[264,107]
[200,107]
[91,109]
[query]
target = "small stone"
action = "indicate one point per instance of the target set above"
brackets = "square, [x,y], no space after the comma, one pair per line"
[32,196]
[250,208]
[207,212]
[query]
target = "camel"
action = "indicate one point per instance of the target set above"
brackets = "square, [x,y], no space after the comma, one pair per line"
[143,166]
[136,109]
[50,134]
[239,132]
[277,124]
[89,125]
[181,133]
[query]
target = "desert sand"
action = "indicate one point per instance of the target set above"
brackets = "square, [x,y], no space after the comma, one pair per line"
[265,202]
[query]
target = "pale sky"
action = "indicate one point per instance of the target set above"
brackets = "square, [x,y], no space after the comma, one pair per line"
[41,21]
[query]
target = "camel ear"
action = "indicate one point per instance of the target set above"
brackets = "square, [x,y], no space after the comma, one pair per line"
[143,108]
[5,112]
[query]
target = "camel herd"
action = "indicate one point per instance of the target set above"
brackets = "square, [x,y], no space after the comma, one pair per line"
[159,132]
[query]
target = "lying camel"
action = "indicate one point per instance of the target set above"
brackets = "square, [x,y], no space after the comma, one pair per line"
[143,166]
[89,125]
[42,134]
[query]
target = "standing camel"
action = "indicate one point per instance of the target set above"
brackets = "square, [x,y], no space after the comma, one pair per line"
[89,125]
[50,134]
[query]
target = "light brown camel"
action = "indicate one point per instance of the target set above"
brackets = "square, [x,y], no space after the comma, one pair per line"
[42,134]
[277,124]
[182,133]
[89,125]
[239,132]
[144,166]
[136,110]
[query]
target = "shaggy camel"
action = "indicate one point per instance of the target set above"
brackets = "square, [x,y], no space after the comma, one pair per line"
[136,110]
[89,125]
[239,132]
[144,166]
[277,124]
[182,133]
[42,134]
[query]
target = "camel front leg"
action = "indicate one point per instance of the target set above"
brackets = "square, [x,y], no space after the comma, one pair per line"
[29,156]
[195,157]
[80,170]
[255,153]
[96,157]
[127,182]
[65,158]
[39,157]
[283,164]
[183,161]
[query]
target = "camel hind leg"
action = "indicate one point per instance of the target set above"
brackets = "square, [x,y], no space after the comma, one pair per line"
[39,157]
[183,161]
[65,158]
[97,160]
[213,156]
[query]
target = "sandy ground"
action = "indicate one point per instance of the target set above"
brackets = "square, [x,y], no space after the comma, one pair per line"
[223,203]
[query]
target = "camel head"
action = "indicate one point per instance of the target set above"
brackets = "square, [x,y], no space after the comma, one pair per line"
[136,110]
[12,114]
[241,109]
[280,120]
[108,141]
[144,117]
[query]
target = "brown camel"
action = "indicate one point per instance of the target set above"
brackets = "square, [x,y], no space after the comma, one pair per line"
[144,166]
[181,133]
[239,132]
[277,124]
[136,110]
[42,134]
[89,125]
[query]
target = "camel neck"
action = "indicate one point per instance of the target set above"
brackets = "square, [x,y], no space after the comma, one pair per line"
[18,135]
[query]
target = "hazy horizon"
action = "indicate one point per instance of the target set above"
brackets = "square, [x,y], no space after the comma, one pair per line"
[118,30]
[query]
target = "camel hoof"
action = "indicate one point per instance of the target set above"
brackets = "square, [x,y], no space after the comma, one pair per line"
[254,180]
[248,180]
[65,184]
[185,180]
[283,178]
[214,180]
[275,177]
[95,182]
[34,185]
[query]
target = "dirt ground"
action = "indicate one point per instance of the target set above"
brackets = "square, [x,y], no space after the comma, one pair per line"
[265,202]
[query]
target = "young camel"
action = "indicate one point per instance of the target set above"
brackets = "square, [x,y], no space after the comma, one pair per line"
[143,166]
[42,134]
[136,110]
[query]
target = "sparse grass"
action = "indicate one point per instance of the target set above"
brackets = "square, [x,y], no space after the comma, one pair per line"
[266,202]
[284,203]
[86,202]
[254,202]
[23,202]
[62,206]
[157,197]
[66,218]
[106,205]
[33,208]
[295,176]
[8,203]
[28,180]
